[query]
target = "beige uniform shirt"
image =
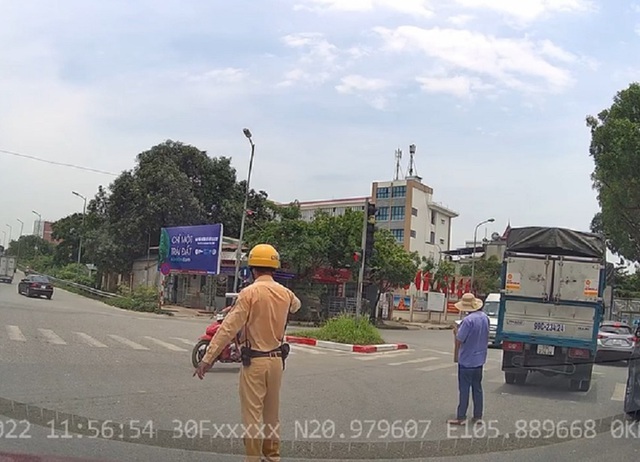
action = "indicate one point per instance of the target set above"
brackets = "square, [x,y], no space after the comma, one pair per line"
[262,309]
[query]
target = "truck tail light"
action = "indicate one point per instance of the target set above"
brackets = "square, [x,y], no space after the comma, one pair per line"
[579,353]
[512,346]
[600,336]
[635,339]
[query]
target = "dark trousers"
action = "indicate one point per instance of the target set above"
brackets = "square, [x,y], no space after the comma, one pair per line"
[470,379]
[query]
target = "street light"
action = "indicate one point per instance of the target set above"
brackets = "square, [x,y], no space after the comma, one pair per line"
[10,231]
[39,221]
[473,258]
[247,133]
[84,210]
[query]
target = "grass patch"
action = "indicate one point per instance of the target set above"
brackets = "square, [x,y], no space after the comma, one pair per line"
[345,329]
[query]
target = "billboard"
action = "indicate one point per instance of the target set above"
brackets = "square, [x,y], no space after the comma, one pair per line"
[190,249]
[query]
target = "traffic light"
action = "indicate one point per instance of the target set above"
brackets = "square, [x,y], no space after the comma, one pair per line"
[371,229]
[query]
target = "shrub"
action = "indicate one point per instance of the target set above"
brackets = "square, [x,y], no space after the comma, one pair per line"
[140,299]
[345,329]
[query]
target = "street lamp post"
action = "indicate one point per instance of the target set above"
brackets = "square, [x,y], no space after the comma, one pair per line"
[20,237]
[247,133]
[10,231]
[473,258]
[84,211]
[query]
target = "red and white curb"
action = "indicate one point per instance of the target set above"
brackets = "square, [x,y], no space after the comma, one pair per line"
[345,346]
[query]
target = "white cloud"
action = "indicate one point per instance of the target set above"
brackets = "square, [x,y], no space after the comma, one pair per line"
[354,83]
[459,86]
[413,7]
[460,20]
[319,59]
[226,75]
[528,10]
[553,51]
[514,63]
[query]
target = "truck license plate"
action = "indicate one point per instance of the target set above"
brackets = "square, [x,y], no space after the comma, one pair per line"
[549,326]
[547,350]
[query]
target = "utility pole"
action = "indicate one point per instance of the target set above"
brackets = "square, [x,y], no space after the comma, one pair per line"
[20,237]
[84,212]
[368,229]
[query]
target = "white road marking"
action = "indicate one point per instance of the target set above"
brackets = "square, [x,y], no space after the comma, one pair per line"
[168,346]
[413,361]
[438,351]
[52,337]
[435,367]
[382,355]
[90,340]
[185,341]
[312,350]
[619,392]
[129,343]
[15,334]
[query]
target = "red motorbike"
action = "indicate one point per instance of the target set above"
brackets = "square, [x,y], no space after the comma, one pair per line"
[230,353]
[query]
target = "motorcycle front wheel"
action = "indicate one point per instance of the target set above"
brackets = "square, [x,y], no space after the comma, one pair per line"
[198,352]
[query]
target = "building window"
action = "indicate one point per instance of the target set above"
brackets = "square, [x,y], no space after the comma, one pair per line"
[433,217]
[414,211]
[382,193]
[442,221]
[441,241]
[399,191]
[432,238]
[397,212]
[413,233]
[398,234]
[382,214]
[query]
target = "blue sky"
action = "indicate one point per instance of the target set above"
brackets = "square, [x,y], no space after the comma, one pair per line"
[493,93]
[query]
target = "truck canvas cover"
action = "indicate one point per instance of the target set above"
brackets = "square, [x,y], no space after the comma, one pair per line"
[555,241]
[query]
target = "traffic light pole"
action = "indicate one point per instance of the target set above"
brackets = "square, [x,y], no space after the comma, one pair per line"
[362,260]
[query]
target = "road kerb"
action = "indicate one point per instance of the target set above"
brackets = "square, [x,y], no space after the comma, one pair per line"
[345,346]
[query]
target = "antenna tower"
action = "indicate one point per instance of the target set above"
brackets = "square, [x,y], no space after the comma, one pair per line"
[398,159]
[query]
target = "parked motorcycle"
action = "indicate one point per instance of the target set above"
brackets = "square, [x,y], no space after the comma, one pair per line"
[230,353]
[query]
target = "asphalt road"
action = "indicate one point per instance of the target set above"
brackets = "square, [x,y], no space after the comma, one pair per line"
[75,373]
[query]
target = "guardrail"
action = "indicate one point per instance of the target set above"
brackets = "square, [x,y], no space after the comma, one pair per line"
[82,287]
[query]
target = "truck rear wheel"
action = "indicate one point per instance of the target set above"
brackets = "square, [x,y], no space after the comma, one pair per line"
[515,378]
[580,385]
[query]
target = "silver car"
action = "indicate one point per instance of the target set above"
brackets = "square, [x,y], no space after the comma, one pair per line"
[616,341]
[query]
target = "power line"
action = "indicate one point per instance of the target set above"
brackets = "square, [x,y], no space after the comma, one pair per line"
[53,162]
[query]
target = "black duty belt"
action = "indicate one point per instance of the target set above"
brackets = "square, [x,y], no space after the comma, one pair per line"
[265,354]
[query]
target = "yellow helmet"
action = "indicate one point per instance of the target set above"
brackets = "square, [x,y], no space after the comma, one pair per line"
[264,256]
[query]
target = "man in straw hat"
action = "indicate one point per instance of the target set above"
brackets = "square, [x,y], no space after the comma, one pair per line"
[472,338]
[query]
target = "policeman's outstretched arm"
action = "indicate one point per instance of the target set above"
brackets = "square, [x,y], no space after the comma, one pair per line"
[295,303]
[229,328]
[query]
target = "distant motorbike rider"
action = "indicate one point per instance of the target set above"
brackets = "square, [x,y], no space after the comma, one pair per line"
[262,308]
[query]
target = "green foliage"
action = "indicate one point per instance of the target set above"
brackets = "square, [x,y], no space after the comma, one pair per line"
[29,247]
[172,184]
[487,275]
[68,230]
[140,299]
[328,241]
[74,273]
[627,285]
[615,149]
[345,329]
[392,265]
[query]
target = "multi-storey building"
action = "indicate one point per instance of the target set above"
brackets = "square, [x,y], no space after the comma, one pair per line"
[406,208]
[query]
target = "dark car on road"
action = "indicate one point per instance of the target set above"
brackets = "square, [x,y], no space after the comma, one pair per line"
[36,285]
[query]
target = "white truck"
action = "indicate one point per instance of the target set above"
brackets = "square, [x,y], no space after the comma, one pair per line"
[551,304]
[7,269]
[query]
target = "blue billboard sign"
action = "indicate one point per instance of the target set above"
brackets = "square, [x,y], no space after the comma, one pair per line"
[190,249]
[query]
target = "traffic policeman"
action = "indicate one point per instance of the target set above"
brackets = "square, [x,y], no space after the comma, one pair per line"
[260,312]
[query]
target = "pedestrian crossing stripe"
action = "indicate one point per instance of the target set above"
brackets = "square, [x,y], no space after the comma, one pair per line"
[51,337]
[15,334]
[90,340]
[127,342]
[413,361]
[162,343]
